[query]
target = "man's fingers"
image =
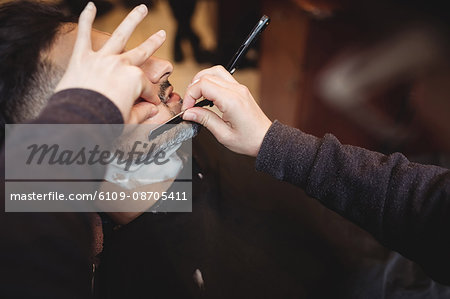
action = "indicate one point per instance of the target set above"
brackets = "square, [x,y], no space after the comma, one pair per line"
[120,36]
[142,111]
[85,21]
[140,54]
[209,120]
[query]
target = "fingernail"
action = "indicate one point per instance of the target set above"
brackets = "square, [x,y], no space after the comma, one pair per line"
[142,8]
[195,81]
[161,33]
[90,5]
[189,115]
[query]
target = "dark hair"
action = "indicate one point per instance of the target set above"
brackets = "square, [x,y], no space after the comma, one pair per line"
[27,28]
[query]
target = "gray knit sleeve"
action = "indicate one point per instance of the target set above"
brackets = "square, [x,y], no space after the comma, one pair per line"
[287,153]
[405,205]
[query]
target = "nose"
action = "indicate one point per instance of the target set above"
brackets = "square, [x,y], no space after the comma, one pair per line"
[157,69]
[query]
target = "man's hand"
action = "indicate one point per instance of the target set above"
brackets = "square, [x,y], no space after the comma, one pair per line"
[243,124]
[111,71]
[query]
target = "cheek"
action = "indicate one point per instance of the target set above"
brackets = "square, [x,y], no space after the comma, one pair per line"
[154,88]
[149,72]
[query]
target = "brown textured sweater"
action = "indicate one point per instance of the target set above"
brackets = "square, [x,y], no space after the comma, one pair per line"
[405,205]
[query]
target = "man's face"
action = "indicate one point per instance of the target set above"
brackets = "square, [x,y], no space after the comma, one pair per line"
[156,70]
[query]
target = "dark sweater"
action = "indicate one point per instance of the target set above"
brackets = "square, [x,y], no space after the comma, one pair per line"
[48,255]
[404,205]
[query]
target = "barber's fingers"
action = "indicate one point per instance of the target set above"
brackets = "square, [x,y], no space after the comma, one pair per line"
[218,71]
[142,111]
[141,53]
[210,120]
[243,124]
[216,74]
[212,88]
[120,36]
[83,42]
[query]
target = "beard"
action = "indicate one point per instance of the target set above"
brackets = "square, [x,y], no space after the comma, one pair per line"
[166,142]
[176,135]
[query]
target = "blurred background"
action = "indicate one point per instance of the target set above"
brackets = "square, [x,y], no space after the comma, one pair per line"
[374,73]
[352,68]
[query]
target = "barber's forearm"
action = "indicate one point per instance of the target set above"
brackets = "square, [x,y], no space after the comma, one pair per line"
[287,154]
[404,205]
[80,106]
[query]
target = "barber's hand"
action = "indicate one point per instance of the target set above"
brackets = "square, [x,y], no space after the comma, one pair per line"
[111,71]
[141,112]
[243,124]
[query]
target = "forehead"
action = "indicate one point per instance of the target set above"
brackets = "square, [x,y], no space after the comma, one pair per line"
[62,47]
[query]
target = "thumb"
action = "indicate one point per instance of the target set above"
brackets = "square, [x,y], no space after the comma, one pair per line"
[141,112]
[209,120]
